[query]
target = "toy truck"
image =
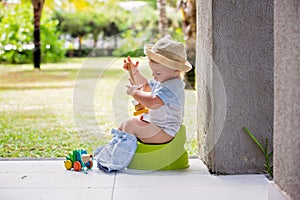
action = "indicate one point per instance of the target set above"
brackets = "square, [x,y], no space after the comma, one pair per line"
[79,160]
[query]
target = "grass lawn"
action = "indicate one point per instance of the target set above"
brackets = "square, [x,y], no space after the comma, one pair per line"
[68,105]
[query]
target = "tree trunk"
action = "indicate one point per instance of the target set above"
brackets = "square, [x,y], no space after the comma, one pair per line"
[163,20]
[37,10]
[95,43]
[80,51]
[188,10]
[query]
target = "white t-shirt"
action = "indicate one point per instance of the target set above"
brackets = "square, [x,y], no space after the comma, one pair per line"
[168,117]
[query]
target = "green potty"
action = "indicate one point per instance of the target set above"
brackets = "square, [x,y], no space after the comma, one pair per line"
[169,156]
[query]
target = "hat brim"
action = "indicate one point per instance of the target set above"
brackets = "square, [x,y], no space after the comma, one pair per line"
[172,64]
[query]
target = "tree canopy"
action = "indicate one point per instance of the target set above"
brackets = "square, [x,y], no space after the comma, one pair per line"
[79,19]
[17,36]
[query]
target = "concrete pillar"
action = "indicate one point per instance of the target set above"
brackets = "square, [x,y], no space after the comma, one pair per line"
[234,66]
[287,100]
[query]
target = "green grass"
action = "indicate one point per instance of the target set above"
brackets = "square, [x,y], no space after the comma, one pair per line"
[37,107]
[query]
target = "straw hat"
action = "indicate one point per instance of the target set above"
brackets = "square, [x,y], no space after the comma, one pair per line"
[168,53]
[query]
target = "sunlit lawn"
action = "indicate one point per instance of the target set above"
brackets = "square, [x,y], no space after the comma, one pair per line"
[68,105]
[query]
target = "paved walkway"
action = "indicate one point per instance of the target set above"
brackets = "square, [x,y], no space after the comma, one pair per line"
[49,180]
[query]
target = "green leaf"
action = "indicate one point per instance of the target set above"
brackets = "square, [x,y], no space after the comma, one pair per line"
[270,154]
[266,147]
[254,139]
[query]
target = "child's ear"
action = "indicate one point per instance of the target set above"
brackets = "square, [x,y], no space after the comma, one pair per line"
[181,74]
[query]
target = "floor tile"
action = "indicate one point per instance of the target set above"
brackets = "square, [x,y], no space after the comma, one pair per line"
[55,194]
[190,186]
[196,166]
[68,179]
[31,166]
[192,192]
[50,180]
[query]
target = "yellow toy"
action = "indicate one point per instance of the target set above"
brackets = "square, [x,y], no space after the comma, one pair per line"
[139,108]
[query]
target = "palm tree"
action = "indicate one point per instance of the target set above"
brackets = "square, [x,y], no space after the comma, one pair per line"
[163,20]
[37,13]
[188,10]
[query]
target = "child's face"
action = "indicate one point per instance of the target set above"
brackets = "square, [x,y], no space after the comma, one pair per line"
[161,73]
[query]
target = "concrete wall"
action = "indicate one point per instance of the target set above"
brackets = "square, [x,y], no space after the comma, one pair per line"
[235,82]
[287,97]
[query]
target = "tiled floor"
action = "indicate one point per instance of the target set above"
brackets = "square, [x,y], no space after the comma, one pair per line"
[49,180]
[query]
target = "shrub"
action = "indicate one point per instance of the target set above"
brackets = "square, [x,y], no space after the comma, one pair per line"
[16,41]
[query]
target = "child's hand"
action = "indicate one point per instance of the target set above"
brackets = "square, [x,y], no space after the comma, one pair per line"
[132,89]
[133,67]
